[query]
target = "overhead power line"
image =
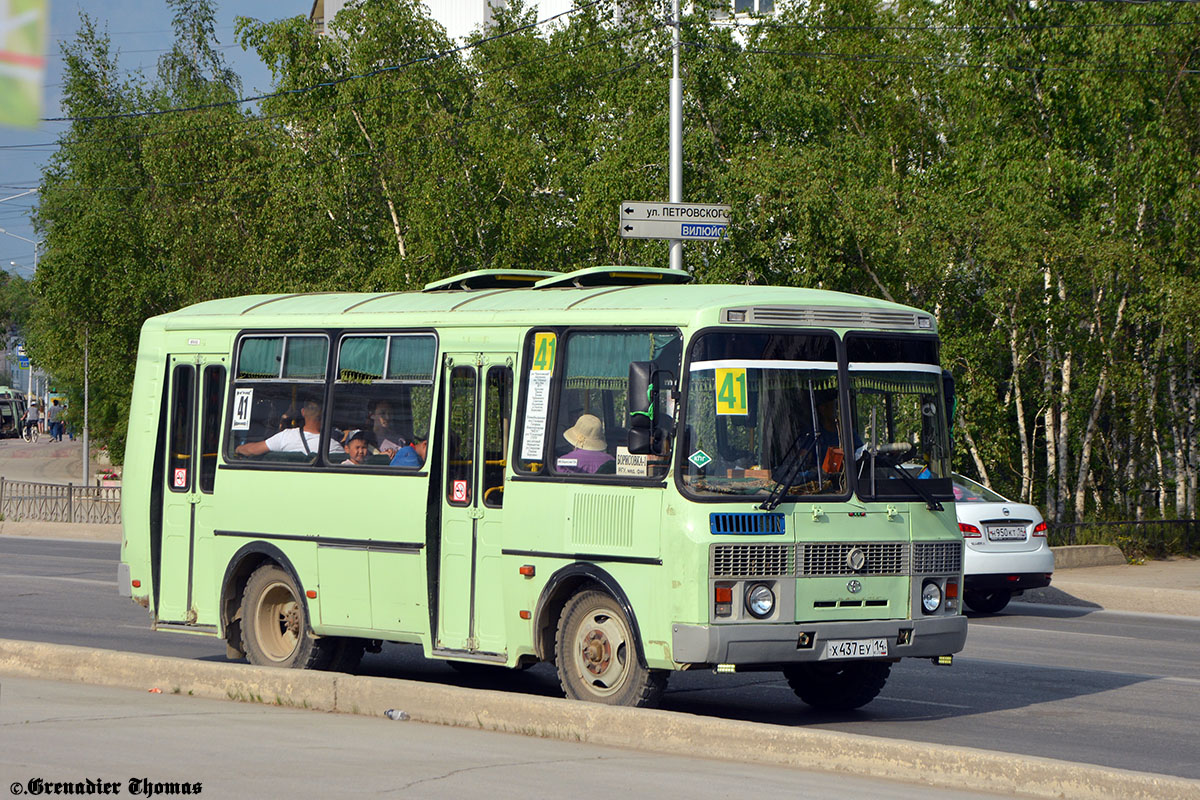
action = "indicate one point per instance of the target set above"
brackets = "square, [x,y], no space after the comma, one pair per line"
[334,82]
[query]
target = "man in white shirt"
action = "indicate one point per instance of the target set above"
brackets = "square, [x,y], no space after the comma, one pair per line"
[293,440]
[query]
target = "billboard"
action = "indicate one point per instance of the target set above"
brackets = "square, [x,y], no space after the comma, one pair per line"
[22,61]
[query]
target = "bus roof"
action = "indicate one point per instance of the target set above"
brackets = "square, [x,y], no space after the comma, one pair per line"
[627,295]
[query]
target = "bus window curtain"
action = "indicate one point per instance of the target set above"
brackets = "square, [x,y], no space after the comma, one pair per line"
[412,358]
[260,357]
[306,357]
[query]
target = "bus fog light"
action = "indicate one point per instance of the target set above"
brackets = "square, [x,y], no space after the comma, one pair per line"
[931,597]
[760,600]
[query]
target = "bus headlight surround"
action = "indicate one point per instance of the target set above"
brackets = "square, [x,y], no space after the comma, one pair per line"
[931,596]
[760,600]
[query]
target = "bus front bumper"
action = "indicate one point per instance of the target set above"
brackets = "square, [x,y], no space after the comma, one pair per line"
[786,644]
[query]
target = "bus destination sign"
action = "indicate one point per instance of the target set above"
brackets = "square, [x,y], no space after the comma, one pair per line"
[706,222]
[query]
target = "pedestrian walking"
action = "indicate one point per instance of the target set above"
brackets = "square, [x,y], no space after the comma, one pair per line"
[54,420]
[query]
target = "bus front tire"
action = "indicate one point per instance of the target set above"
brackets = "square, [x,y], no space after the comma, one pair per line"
[597,658]
[275,630]
[838,685]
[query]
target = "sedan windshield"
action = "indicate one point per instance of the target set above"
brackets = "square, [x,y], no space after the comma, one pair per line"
[763,416]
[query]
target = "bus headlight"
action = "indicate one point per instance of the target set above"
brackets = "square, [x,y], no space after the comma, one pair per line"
[931,596]
[760,600]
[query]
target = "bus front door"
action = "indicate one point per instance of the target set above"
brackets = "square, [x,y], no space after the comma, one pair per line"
[196,393]
[474,442]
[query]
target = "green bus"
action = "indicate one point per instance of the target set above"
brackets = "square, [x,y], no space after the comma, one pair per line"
[611,469]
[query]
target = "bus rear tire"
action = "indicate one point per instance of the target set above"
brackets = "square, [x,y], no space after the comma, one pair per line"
[838,685]
[597,656]
[275,630]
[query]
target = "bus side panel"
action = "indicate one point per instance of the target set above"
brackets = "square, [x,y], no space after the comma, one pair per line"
[552,524]
[356,523]
[141,485]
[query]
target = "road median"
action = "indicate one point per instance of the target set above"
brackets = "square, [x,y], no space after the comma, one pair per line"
[639,729]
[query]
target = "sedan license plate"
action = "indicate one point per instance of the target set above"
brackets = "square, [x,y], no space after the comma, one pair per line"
[1006,533]
[854,648]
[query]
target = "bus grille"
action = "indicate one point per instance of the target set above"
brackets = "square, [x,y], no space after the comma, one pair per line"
[830,558]
[937,558]
[753,560]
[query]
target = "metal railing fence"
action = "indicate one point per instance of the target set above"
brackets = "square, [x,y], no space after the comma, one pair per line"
[58,502]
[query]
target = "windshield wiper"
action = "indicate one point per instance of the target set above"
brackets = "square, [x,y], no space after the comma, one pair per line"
[931,502]
[788,470]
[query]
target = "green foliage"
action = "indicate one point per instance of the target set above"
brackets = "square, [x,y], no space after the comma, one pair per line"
[1026,171]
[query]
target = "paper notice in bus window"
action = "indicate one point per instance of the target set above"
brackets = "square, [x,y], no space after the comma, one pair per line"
[630,463]
[243,402]
[181,478]
[533,440]
[731,391]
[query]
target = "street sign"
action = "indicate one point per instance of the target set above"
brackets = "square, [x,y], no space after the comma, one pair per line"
[23,362]
[705,222]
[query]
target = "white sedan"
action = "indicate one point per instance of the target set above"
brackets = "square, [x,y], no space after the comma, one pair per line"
[1006,547]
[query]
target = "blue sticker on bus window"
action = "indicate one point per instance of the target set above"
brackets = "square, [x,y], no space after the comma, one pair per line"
[699,458]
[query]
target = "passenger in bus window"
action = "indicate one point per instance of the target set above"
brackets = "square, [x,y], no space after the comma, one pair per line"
[412,455]
[357,449]
[589,455]
[306,439]
[386,437]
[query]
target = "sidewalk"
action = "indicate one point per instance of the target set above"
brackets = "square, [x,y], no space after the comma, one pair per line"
[1170,586]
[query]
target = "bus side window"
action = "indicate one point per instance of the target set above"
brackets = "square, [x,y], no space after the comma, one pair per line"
[275,376]
[497,414]
[591,427]
[384,389]
[210,425]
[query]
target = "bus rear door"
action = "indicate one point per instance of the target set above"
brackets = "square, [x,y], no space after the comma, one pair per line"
[195,400]
[477,412]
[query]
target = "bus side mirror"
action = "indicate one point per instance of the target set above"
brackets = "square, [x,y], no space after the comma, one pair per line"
[646,436]
[948,397]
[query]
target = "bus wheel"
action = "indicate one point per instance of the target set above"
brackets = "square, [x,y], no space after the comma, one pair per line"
[838,685]
[275,625]
[597,656]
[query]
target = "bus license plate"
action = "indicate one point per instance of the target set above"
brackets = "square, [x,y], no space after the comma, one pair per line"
[1006,533]
[854,648]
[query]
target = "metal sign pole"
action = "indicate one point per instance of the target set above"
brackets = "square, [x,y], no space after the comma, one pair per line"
[86,454]
[676,136]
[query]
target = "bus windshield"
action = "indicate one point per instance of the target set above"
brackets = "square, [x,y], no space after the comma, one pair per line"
[902,445]
[762,412]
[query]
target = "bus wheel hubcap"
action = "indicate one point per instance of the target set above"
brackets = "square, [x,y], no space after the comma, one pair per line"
[597,652]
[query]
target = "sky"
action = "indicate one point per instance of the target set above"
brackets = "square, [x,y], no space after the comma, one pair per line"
[140,31]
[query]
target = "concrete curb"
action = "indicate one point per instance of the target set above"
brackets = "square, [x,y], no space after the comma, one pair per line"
[1073,556]
[639,729]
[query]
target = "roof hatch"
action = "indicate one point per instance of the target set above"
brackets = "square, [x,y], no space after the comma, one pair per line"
[615,276]
[490,279]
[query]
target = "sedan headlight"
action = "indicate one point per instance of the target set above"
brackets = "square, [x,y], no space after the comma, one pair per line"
[760,600]
[931,597]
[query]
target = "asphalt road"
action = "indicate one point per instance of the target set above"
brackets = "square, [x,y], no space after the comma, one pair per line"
[1107,688]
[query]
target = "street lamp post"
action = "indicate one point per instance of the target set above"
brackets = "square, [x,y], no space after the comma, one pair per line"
[37,243]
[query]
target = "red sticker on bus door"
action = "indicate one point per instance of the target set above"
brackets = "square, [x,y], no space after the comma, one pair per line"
[181,478]
[459,492]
